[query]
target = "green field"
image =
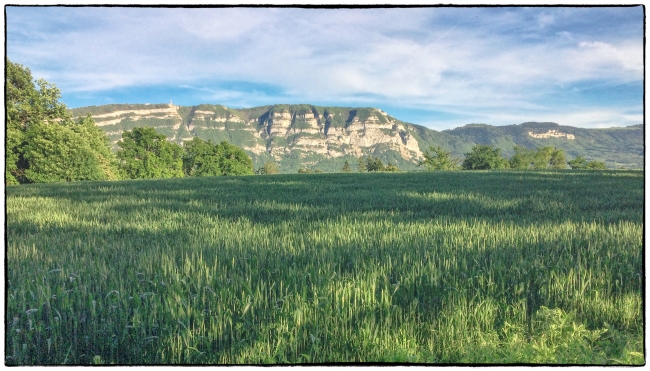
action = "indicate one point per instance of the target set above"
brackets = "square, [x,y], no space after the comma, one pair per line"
[426,267]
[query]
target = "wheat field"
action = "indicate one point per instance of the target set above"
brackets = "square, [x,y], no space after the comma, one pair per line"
[423,267]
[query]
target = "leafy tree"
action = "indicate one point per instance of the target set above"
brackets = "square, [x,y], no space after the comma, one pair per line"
[372,163]
[391,167]
[436,158]
[549,157]
[269,168]
[542,158]
[25,105]
[539,159]
[233,160]
[43,143]
[98,141]
[483,157]
[145,154]
[56,153]
[596,165]
[346,168]
[578,163]
[523,158]
[558,159]
[199,158]
[362,164]
[304,171]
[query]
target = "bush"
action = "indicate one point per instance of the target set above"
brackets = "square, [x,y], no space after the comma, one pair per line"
[268,168]
[436,158]
[484,157]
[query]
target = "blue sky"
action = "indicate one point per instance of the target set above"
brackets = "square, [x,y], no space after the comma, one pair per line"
[437,67]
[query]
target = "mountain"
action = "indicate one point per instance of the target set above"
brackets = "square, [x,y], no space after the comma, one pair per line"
[323,138]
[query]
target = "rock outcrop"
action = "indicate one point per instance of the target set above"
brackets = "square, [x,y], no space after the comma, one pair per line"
[324,138]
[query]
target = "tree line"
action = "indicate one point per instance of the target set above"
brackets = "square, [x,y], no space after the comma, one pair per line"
[44,144]
[485,157]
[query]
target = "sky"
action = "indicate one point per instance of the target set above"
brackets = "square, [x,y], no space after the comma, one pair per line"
[440,67]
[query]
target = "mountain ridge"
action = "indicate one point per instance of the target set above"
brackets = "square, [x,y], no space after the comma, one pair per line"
[323,138]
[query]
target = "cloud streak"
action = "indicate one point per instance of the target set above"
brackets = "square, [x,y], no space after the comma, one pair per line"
[474,60]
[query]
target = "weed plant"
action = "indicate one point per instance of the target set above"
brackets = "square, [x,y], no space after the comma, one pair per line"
[437,267]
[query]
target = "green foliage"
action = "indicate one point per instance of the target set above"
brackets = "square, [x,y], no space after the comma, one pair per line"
[145,154]
[483,157]
[579,163]
[56,153]
[268,168]
[370,163]
[596,144]
[43,143]
[596,165]
[555,338]
[362,113]
[436,158]
[346,168]
[424,267]
[233,160]
[523,159]
[27,103]
[100,145]
[617,147]
[200,158]
[540,159]
[392,168]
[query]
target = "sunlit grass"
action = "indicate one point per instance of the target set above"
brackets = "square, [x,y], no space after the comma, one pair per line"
[488,267]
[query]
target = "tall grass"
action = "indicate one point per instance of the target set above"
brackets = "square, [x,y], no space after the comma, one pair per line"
[488,267]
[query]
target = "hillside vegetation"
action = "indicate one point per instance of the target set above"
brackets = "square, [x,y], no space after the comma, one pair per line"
[323,138]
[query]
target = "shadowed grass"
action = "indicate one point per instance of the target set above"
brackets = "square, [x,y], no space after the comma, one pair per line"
[494,267]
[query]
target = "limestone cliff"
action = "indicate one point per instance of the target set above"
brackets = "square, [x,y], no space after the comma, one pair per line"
[305,133]
[298,136]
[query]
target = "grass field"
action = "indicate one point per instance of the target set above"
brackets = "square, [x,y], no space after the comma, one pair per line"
[429,267]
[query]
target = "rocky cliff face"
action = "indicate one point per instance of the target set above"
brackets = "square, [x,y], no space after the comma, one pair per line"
[303,134]
[297,136]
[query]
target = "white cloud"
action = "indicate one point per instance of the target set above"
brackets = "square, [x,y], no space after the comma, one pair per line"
[457,60]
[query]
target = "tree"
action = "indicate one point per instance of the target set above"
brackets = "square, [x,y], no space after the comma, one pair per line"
[233,160]
[372,163]
[146,154]
[558,159]
[26,105]
[596,165]
[578,163]
[56,153]
[391,167]
[540,158]
[483,157]
[99,143]
[43,143]
[269,168]
[199,158]
[346,167]
[362,164]
[436,158]
[523,158]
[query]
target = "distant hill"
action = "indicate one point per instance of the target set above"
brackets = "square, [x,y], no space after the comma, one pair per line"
[323,138]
